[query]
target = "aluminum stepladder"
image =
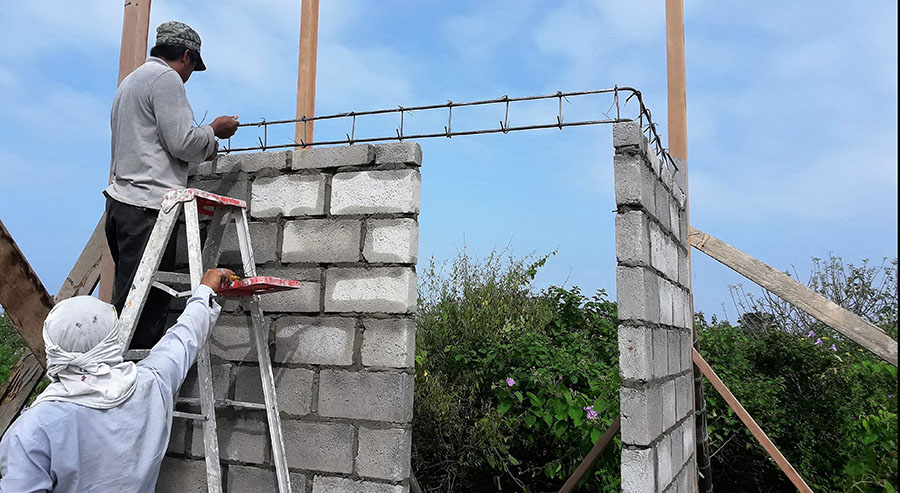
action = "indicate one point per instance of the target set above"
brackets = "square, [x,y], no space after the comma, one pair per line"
[223,210]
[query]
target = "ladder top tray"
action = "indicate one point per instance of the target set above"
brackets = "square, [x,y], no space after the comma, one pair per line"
[257,285]
[206,201]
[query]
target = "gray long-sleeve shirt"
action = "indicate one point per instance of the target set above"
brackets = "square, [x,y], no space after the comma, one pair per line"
[63,447]
[153,137]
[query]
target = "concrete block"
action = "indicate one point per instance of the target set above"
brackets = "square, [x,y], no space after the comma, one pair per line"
[178,437]
[391,240]
[293,388]
[653,160]
[389,342]
[201,169]
[665,302]
[633,183]
[664,462]
[242,479]
[319,446]
[628,134]
[674,219]
[635,353]
[633,238]
[684,396]
[240,439]
[231,339]
[321,240]
[384,454]
[383,289]
[221,377]
[333,157]
[233,188]
[372,192]
[637,293]
[288,195]
[673,347]
[667,174]
[687,351]
[252,162]
[408,153]
[684,271]
[687,440]
[378,396]
[662,208]
[671,261]
[181,476]
[263,239]
[680,178]
[657,247]
[668,404]
[677,306]
[640,411]
[331,484]
[638,470]
[305,299]
[315,340]
[660,353]
[677,452]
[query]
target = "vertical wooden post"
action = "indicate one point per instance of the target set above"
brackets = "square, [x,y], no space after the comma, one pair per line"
[306,70]
[677,98]
[135,30]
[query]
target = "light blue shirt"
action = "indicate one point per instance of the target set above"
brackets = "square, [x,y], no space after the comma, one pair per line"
[64,447]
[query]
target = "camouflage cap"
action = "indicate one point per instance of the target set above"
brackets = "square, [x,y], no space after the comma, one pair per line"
[176,33]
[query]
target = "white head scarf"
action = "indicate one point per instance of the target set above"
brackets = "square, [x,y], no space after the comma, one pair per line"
[84,355]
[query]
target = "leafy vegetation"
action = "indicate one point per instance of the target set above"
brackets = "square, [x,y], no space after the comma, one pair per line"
[12,347]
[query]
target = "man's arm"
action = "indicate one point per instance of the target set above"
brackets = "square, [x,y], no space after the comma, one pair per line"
[174,121]
[24,463]
[176,352]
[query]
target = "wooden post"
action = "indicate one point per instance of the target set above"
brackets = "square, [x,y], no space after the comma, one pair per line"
[750,423]
[306,70]
[135,29]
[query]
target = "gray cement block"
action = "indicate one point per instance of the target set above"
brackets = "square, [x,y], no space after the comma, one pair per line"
[671,259]
[687,439]
[240,439]
[319,446]
[242,479]
[321,240]
[677,453]
[305,299]
[231,339]
[653,160]
[633,238]
[668,404]
[389,342]
[687,351]
[660,353]
[678,301]
[293,388]
[378,396]
[637,293]
[178,438]
[315,340]
[200,170]
[635,353]
[331,484]
[181,476]
[221,378]
[674,349]
[391,240]
[409,153]
[664,462]
[633,183]
[684,399]
[665,302]
[252,162]
[684,271]
[639,409]
[657,248]
[638,470]
[628,134]
[674,218]
[372,192]
[288,195]
[263,239]
[383,289]
[384,454]
[662,208]
[333,157]
[233,188]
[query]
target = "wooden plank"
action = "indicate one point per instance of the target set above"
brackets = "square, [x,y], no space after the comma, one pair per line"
[86,271]
[132,54]
[605,439]
[306,69]
[23,379]
[750,423]
[782,285]
[22,295]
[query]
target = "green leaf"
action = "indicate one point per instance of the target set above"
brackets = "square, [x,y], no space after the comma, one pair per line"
[530,420]
[535,400]
[513,460]
[518,396]
[574,412]
[548,419]
[595,435]
[504,406]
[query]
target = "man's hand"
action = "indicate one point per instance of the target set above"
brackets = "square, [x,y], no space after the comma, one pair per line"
[224,126]
[217,278]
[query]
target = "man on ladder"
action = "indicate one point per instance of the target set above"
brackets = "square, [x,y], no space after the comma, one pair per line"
[98,408]
[153,139]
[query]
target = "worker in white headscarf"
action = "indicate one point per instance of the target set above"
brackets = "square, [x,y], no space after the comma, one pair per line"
[103,425]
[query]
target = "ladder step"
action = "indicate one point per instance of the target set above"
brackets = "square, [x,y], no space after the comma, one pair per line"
[179,278]
[195,401]
[195,416]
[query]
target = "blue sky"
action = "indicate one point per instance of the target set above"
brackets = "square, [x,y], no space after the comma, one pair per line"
[792,114]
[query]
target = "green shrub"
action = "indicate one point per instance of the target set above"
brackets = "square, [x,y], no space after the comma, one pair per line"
[513,387]
[12,347]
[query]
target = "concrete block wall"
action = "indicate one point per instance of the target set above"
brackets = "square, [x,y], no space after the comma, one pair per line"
[653,293]
[344,222]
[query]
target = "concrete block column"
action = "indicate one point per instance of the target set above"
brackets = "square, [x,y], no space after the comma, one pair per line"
[653,294]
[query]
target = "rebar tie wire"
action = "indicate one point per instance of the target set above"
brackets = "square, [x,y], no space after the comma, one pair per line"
[643,113]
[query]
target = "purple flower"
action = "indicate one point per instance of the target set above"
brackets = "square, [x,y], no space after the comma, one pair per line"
[811,334]
[890,395]
[510,382]
[559,380]
[833,348]
[591,414]
[819,342]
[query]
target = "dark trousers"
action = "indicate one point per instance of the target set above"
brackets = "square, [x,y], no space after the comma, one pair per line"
[128,228]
